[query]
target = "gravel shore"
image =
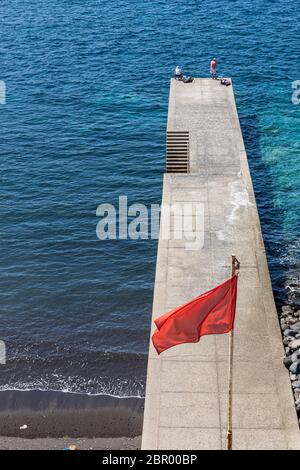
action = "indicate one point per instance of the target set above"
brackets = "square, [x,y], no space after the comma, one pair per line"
[290,327]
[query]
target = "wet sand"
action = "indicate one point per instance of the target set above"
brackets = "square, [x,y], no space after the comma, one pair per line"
[55,420]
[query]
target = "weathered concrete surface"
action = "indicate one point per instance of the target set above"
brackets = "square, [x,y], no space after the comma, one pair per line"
[186,393]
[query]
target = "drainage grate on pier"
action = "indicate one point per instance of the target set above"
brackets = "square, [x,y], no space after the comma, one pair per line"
[177,152]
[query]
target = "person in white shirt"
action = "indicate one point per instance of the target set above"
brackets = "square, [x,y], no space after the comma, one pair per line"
[178,73]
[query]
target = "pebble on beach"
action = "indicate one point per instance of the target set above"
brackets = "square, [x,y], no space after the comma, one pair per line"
[295,368]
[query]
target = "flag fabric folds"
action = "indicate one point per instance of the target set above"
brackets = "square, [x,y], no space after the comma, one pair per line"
[210,313]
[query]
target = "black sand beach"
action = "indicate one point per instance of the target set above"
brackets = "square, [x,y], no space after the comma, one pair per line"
[97,443]
[55,420]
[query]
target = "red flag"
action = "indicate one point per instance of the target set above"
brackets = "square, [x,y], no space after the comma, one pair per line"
[210,313]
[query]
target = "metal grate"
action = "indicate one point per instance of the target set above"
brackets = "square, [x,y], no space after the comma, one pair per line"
[177,152]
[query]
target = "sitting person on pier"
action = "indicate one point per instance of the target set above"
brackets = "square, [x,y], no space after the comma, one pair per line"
[178,75]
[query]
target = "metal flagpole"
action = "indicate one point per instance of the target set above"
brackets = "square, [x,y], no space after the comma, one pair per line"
[235,265]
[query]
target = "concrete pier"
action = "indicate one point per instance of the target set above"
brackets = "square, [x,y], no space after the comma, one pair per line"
[186,391]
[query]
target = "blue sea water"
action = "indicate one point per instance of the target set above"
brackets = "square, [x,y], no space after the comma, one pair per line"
[84,122]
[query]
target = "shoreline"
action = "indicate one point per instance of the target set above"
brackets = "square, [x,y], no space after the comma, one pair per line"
[56,419]
[59,414]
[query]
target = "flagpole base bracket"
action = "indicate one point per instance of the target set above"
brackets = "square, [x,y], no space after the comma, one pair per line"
[229,440]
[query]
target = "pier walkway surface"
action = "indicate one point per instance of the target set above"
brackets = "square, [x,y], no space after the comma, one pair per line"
[186,391]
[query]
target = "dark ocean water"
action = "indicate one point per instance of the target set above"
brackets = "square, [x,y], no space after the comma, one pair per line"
[84,122]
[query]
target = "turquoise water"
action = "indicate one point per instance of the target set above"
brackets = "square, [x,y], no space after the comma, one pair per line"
[84,122]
